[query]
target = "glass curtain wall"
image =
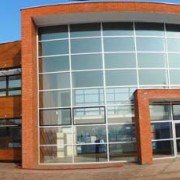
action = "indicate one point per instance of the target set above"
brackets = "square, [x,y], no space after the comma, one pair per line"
[87,76]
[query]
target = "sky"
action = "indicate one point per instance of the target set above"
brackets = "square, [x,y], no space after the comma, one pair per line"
[10,15]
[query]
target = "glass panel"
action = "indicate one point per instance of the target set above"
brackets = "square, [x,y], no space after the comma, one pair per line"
[121,77]
[174,77]
[14,92]
[2,82]
[147,60]
[54,81]
[85,45]
[122,152]
[10,137]
[54,99]
[152,77]
[2,93]
[178,146]
[14,81]
[149,29]
[120,60]
[161,130]
[89,115]
[154,44]
[87,79]
[118,29]
[162,148]
[51,64]
[119,95]
[89,134]
[120,114]
[56,135]
[54,47]
[172,30]
[174,60]
[119,133]
[88,97]
[160,112]
[88,61]
[85,30]
[176,112]
[55,154]
[118,44]
[90,153]
[53,32]
[173,44]
[177,127]
[55,117]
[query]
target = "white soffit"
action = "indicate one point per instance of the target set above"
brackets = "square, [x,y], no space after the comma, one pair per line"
[72,18]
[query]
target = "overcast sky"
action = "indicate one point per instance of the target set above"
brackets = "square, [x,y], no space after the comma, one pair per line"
[10,29]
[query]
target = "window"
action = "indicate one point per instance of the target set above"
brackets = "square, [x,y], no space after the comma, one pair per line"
[10,82]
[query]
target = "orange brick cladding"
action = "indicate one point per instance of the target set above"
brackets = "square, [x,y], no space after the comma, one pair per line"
[30,80]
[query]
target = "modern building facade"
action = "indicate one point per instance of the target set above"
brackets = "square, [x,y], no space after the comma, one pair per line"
[100,84]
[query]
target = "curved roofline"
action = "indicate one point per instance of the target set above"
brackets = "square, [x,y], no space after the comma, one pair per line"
[103,1]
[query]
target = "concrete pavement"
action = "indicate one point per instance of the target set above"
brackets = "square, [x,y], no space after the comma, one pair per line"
[160,169]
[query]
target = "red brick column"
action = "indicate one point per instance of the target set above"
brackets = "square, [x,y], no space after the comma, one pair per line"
[143,128]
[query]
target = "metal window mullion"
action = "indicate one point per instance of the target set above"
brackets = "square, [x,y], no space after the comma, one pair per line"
[71,95]
[105,99]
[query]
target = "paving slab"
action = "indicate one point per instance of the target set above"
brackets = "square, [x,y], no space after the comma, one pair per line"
[159,170]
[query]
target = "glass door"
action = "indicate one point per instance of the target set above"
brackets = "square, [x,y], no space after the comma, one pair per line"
[177,138]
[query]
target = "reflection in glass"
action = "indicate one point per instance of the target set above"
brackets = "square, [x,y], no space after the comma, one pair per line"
[89,115]
[118,29]
[120,60]
[89,134]
[121,77]
[53,64]
[56,135]
[172,30]
[119,95]
[151,60]
[161,130]
[90,153]
[120,114]
[174,60]
[14,92]
[173,44]
[160,112]
[55,154]
[85,30]
[178,146]
[119,133]
[87,79]
[118,44]
[154,44]
[122,152]
[88,97]
[10,136]
[177,128]
[85,45]
[14,81]
[55,117]
[176,112]
[54,81]
[2,82]
[162,148]
[53,32]
[149,29]
[54,47]
[54,99]
[88,61]
[174,77]
[152,77]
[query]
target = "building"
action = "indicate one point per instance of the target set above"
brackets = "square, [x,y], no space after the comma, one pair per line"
[100,84]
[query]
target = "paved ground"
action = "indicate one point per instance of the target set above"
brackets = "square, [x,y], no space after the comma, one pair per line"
[160,169]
